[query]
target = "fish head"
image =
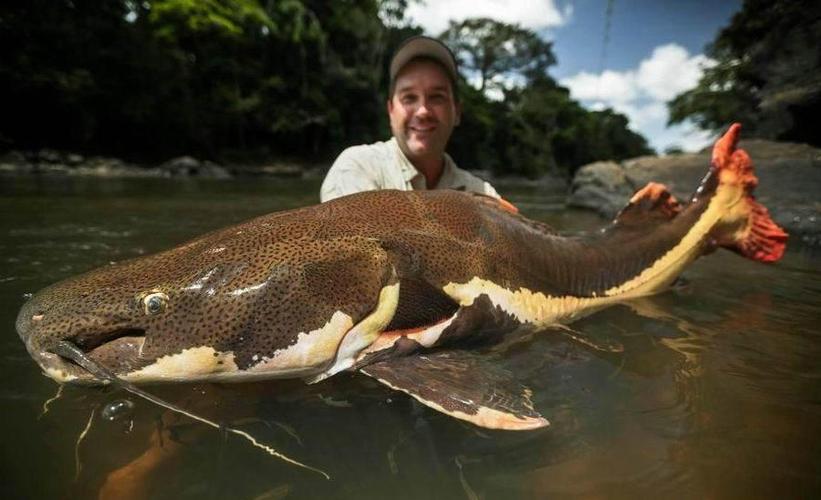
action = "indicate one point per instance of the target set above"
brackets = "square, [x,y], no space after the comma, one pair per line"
[214,309]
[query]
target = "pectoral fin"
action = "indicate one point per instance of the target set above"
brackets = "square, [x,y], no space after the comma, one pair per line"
[462,385]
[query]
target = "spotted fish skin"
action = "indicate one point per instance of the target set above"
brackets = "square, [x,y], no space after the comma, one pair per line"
[341,285]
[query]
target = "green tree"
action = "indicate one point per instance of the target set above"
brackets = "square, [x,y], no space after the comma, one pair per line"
[768,74]
[536,129]
[492,49]
[550,133]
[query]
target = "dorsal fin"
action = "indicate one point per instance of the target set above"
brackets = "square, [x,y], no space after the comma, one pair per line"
[651,204]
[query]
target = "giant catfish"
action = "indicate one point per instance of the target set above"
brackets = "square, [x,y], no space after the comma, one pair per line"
[391,284]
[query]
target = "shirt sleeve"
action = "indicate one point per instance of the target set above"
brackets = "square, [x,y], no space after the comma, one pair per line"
[489,190]
[475,184]
[348,175]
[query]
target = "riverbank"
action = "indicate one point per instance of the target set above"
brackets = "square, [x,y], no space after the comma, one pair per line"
[52,162]
[790,176]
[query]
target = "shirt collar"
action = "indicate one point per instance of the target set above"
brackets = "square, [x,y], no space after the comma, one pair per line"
[407,168]
[410,174]
[448,178]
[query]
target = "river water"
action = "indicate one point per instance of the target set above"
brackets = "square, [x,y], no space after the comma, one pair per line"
[717,393]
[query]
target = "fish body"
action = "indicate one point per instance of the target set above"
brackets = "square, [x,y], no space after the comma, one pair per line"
[388,283]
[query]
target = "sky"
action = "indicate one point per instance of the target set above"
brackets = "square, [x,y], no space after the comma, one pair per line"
[654,52]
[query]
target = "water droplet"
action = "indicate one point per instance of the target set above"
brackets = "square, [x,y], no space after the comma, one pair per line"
[27,295]
[118,409]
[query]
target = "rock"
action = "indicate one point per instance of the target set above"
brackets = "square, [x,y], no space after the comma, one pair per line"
[16,168]
[789,174]
[15,162]
[281,170]
[104,165]
[602,186]
[187,166]
[184,166]
[52,169]
[13,158]
[214,170]
[74,159]
[49,156]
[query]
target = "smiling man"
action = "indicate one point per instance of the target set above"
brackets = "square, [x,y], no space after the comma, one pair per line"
[423,108]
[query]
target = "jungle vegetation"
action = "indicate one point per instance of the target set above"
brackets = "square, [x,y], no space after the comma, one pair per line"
[244,80]
[767,74]
[250,80]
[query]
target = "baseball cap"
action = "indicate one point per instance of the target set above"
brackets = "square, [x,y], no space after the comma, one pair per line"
[423,46]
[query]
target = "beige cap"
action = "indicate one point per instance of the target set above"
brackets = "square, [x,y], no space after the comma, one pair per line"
[423,46]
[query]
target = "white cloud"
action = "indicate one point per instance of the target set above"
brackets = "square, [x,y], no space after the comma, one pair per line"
[670,71]
[610,86]
[641,94]
[433,15]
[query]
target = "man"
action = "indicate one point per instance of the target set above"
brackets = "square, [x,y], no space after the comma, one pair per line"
[423,108]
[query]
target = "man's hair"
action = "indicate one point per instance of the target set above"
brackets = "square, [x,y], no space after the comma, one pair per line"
[454,88]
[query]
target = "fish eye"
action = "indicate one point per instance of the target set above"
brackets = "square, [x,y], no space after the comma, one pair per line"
[155,303]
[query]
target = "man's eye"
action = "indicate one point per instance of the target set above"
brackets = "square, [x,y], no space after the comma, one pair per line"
[408,99]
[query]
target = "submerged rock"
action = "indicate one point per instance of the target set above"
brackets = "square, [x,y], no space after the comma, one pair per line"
[187,166]
[789,174]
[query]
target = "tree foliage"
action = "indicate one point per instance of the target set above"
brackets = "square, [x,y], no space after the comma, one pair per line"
[768,73]
[247,79]
[494,50]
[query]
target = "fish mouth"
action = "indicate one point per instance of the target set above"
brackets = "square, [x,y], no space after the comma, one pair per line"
[89,343]
[117,350]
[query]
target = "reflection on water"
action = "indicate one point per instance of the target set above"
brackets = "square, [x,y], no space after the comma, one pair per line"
[716,394]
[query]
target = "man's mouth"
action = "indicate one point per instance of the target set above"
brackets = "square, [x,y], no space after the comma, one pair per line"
[423,129]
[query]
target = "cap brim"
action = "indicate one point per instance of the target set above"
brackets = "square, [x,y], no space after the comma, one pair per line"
[423,47]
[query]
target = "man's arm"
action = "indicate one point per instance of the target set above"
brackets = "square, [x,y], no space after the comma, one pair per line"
[489,190]
[473,183]
[348,175]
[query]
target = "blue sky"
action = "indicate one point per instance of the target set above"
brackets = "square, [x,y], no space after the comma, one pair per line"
[655,50]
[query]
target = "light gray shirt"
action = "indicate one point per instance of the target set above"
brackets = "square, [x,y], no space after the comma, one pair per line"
[383,165]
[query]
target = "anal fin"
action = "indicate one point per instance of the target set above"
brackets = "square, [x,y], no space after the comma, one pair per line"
[461,385]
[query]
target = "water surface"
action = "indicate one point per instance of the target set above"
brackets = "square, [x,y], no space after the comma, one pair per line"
[717,393]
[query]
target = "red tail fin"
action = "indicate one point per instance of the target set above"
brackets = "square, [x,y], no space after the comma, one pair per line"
[759,237]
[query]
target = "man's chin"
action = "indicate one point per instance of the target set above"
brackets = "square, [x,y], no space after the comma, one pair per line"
[420,149]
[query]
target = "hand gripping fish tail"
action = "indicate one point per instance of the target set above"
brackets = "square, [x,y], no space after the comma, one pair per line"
[740,223]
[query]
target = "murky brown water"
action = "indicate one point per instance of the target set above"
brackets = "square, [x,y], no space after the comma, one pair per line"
[717,394]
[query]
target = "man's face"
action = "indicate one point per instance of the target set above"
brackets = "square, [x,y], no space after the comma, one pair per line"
[423,110]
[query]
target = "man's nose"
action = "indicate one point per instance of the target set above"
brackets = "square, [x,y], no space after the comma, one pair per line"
[424,108]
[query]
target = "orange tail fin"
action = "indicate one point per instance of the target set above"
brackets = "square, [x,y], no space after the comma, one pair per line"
[756,235]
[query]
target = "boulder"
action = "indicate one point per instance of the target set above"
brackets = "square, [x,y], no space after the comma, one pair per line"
[214,170]
[74,159]
[187,166]
[183,166]
[49,156]
[602,186]
[281,170]
[789,174]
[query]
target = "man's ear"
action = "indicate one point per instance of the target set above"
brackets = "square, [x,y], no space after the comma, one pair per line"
[458,106]
[389,105]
